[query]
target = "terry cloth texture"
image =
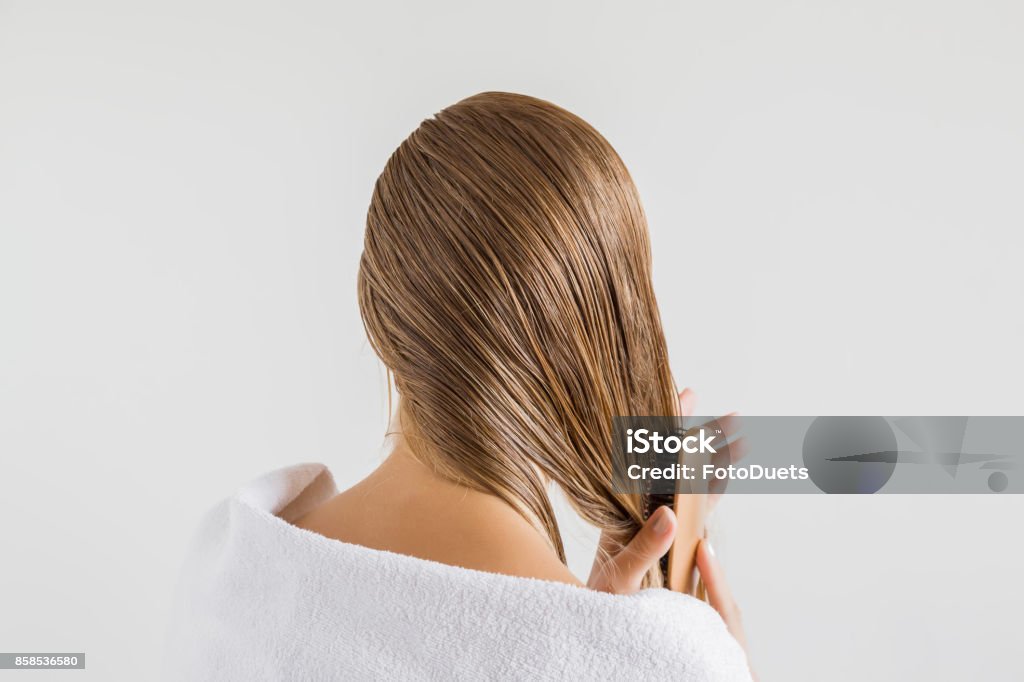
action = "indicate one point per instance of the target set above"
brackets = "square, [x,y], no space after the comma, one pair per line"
[260,599]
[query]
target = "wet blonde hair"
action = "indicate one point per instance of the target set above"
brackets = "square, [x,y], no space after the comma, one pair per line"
[506,284]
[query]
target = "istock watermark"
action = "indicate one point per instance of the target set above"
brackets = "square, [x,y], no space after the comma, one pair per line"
[825,454]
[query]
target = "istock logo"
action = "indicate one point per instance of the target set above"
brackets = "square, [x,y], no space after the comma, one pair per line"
[863,455]
[641,441]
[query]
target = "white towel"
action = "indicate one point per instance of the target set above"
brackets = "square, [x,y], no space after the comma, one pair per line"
[260,599]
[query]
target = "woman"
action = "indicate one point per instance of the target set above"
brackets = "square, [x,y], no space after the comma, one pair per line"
[506,285]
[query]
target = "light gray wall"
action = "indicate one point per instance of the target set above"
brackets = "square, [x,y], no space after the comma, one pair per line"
[182,190]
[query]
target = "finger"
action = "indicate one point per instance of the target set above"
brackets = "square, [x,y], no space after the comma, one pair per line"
[735,452]
[625,571]
[687,402]
[719,595]
[726,427]
[738,449]
[729,424]
[730,453]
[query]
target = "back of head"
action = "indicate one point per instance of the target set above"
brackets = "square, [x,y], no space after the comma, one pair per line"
[506,284]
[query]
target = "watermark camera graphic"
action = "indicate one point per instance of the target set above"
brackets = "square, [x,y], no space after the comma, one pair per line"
[939,441]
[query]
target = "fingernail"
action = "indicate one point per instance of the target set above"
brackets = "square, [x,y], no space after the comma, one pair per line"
[711,548]
[660,521]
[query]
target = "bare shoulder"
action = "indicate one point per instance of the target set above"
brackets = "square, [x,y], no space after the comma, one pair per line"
[440,522]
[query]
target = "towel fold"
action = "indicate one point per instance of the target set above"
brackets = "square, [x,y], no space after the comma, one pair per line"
[260,599]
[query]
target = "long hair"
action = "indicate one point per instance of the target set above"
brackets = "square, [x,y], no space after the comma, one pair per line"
[505,283]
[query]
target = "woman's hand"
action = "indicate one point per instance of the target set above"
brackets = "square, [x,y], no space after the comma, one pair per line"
[624,572]
[720,596]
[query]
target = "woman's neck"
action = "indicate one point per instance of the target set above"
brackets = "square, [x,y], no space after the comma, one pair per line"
[407,508]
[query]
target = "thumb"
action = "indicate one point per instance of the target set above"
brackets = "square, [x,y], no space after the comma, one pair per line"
[625,572]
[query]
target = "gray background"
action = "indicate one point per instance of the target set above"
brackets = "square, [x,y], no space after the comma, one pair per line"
[182,190]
